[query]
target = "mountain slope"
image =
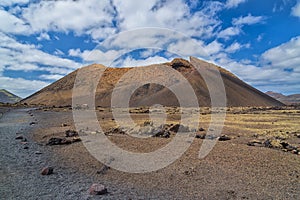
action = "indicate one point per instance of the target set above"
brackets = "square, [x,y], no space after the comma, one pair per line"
[238,92]
[289,99]
[8,97]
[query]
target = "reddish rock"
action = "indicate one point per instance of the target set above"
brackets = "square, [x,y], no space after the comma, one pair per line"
[97,189]
[47,171]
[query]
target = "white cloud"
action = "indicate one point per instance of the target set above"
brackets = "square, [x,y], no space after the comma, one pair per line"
[248,20]
[296,9]
[20,86]
[214,47]
[269,73]
[43,36]
[12,2]
[11,24]
[74,52]
[131,62]
[234,47]
[168,14]
[51,76]
[234,3]
[286,55]
[15,54]
[58,52]
[65,16]
[229,32]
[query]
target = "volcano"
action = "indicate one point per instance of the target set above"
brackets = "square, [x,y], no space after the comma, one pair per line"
[238,93]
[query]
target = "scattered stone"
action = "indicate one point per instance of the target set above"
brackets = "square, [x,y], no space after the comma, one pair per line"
[224,138]
[38,152]
[114,130]
[200,136]
[20,137]
[296,151]
[201,129]
[163,133]
[26,147]
[71,133]
[32,123]
[269,143]
[64,125]
[58,141]
[62,141]
[287,146]
[181,128]
[47,171]
[76,139]
[103,170]
[257,143]
[97,189]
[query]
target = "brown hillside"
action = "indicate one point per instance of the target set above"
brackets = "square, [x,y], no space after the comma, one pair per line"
[238,92]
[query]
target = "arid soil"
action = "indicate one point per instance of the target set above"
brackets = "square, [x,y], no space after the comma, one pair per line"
[234,169]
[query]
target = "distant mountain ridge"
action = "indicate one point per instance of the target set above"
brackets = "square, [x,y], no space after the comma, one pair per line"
[8,97]
[238,92]
[286,99]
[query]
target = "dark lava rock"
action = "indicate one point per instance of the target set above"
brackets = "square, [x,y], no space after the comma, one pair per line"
[256,143]
[20,137]
[162,134]
[116,130]
[47,171]
[287,146]
[181,128]
[97,189]
[200,136]
[64,125]
[71,133]
[224,138]
[58,141]
[103,170]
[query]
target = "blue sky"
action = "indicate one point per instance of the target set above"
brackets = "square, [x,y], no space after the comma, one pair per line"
[42,41]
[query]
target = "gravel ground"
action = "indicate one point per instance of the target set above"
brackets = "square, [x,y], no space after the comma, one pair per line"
[233,170]
[20,168]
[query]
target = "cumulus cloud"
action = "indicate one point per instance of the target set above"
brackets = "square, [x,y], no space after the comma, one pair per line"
[234,47]
[15,55]
[270,72]
[65,16]
[9,23]
[51,76]
[43,36]
[131,62]
[169,14]
[234,3]
[229,32]
[296,10]
[284,56]
[12,2]
[25,57]
[22,87]
[248,20]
